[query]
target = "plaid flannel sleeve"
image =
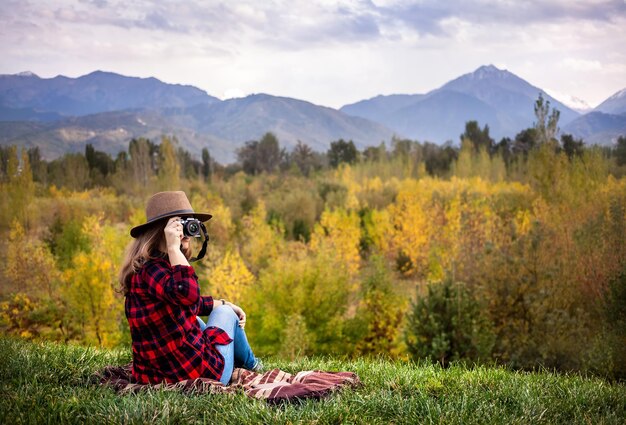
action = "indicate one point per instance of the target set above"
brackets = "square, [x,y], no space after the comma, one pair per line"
[177,284]
[206,306]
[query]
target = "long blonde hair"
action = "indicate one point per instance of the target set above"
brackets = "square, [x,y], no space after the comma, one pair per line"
[142,248]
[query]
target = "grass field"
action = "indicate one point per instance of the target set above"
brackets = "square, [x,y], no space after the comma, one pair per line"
[50,383]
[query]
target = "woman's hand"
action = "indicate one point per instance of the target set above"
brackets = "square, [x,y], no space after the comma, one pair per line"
[239,312]
[173,239]
[173,233]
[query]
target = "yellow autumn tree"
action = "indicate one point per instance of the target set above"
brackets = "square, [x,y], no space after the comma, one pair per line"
[221,226]
[345,176]
[169,170]
[29,286]
[304,294]
[379,230]
[89,285]
[229,277]
[261,241]
[18,192]
[411,223]
[339,233]
[30,267]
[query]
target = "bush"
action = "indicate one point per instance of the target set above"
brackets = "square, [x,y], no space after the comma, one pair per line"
[447,325]
[378,321]
[616,321]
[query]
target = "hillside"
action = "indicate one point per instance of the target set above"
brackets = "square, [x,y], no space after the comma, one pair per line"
[107,110]
[598,127]
[52,383]
[109,132]
[248,118]
[488,95]
[615,104]
[93,93]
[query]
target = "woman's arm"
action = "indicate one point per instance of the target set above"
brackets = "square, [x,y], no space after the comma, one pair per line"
[175,284]
[173,238]
[208,303]
[239,312]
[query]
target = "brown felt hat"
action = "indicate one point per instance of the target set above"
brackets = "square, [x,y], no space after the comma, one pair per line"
[167,204]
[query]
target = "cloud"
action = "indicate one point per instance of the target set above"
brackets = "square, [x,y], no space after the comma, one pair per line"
[97,3]
[320,50]
[427,17]
[300,23]
[581,64]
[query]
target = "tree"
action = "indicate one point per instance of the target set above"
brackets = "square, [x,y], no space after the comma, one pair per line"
[448,324]
[342,151]
[620,150]
[5,154]
[438,159]
[299,294]
[230,277]
[303,157]
[616,321]
[504,148]
[247,156]
[141,153]
[375,153]
[207,166]
[339,234]
[379,312]
[260,156]
[29,265]
[169,169]
[20,189]
[263,241]
[189,165]
[38,166]
[100,164]
[571,146]
[525,141]
[269,153]
[402,148]
[70,171]
[89,284]
[547,120]
[479,138]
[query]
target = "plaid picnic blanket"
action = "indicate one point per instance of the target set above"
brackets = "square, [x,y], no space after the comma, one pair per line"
[272,386]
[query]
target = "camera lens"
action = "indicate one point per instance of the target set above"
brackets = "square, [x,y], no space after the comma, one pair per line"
[191,227]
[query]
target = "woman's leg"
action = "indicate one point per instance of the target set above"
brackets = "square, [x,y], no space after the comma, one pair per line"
[238,352]
[201,323]
[243,353]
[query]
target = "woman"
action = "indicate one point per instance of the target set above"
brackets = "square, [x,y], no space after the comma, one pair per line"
[170,342]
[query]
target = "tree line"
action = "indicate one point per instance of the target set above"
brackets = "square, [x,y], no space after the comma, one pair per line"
[145,160]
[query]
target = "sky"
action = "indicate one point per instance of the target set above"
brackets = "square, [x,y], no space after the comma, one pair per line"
[330,53]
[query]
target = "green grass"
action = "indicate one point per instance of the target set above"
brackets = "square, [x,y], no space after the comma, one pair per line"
[50,383]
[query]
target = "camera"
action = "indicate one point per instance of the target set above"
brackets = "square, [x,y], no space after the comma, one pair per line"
[191,227]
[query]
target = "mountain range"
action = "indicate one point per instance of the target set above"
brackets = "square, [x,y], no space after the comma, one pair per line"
[105,109]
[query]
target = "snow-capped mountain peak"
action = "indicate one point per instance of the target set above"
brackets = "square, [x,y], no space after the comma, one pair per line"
[616,104]
[573,102]
[26,74]
[487,72]
[619,94]
[576,104]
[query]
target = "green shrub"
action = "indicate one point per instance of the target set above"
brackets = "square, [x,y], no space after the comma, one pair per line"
[447,325]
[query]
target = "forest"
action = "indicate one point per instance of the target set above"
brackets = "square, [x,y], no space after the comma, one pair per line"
[510,252]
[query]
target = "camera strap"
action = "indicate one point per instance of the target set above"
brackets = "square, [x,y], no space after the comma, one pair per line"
[204,244]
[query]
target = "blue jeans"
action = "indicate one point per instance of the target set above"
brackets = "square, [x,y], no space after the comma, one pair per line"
[236,354]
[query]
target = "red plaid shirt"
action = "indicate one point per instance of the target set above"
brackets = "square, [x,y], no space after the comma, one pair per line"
[168,345]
